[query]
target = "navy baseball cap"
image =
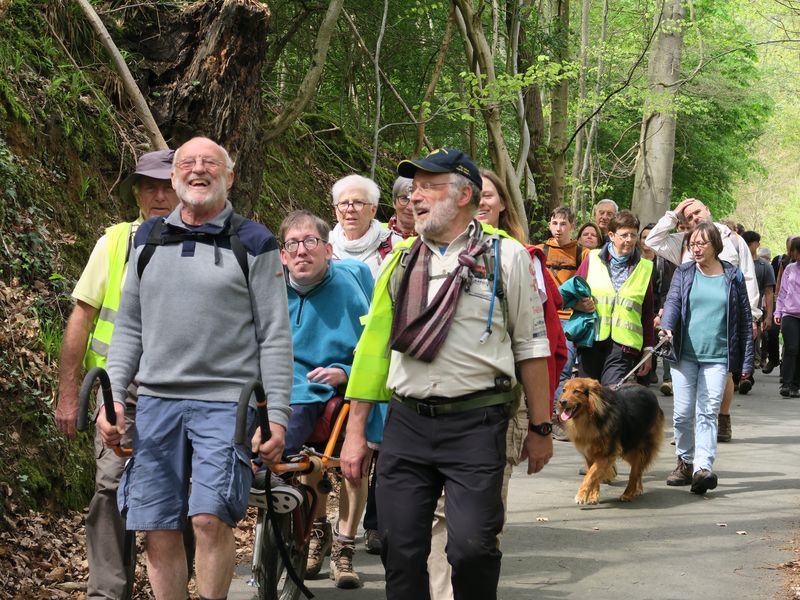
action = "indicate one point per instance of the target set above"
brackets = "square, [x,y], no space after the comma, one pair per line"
[443,160]
[157,165]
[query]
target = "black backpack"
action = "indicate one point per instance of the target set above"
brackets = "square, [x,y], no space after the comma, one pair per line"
[230,232]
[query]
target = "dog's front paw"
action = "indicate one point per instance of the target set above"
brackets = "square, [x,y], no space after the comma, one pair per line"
[586,498]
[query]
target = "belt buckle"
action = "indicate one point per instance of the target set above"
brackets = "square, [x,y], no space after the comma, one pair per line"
[426,410]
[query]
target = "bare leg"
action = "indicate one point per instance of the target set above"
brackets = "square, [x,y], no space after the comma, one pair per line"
[352,501]
[215,555]
[166,564]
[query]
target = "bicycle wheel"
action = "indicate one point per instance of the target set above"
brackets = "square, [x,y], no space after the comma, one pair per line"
[269,570]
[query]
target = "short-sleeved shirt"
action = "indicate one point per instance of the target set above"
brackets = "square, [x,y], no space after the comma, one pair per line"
[91,287]
[765,277]
[464,365]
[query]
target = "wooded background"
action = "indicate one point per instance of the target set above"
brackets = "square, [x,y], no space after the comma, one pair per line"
[642,101]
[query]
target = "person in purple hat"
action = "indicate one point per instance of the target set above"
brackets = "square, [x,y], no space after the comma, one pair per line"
[86,340]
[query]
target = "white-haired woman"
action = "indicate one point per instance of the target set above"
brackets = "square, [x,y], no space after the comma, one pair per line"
[358,235]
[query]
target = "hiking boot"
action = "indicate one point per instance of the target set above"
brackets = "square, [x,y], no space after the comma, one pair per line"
[768,368]
[559,433]
[745,385]
[785,392]
[319,546]
[794,392]
[372,541]
[724,431]
[666,388]
[682,475]
[342,564]
[703,480]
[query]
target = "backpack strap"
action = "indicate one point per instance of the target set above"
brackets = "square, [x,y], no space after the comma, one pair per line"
[153,239]
[578,255]
[236,245]
[385,248]
[231,231]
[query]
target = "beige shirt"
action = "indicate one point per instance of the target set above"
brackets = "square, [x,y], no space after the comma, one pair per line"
[463,364]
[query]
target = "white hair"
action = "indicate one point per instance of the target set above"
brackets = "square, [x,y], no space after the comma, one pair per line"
[356,181]
[607,201]
[401,185]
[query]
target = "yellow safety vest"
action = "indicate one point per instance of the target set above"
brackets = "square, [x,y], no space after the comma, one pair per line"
[370,370]
[620,312]
[117,245]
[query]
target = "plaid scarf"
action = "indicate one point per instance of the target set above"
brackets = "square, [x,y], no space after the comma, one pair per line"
[419,329]
[393,226]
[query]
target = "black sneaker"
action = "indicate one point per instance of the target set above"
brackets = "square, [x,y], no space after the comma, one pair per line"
[794,392]
[768,368]
[745,385]
[703,480]
[785,391]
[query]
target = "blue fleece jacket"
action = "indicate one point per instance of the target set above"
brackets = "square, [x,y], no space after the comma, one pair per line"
[326,326]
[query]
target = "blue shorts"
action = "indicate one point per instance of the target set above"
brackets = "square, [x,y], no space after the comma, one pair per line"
[178,441]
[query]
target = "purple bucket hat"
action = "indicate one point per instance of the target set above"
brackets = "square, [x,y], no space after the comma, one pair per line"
[157,165]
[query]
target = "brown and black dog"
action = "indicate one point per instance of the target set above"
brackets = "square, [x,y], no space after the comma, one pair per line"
[604,424]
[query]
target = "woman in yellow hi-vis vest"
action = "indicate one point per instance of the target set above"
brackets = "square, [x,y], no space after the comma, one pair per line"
[623,298]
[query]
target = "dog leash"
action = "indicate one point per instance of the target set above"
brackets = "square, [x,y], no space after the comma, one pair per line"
[648,355]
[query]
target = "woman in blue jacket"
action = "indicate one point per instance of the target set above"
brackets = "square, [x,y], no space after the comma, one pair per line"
[707,317]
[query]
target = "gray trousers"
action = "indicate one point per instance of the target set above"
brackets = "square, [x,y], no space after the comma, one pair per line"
[105,528]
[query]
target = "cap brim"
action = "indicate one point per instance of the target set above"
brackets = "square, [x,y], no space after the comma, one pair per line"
[408,168]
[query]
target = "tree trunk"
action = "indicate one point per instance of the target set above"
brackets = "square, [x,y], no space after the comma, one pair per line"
[203,78]
[559,106]
[652,190]
[578,187]
[498,152]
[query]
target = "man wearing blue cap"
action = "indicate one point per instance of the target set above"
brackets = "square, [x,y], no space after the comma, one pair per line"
[86,341]
[456,308]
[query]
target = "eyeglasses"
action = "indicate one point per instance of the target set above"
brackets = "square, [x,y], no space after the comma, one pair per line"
[626,236]
[188,163]
[402,200]
[426,188]
[356,205]
[698,245]
[309,243]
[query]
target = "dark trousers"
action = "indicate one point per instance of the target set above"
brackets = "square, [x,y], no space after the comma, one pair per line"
[773,352]
[606,362]
[371,510]
[790,367]
[464,453]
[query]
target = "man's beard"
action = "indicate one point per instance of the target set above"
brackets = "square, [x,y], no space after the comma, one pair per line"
[215,192]
[440,216]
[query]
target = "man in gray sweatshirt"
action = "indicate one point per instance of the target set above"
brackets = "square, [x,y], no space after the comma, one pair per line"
[192,328]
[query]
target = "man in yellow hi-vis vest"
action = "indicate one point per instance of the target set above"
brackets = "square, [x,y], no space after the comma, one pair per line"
[623,297]
[86,340]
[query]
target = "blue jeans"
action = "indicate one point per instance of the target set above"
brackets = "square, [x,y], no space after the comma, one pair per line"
[566,373]
[698,389]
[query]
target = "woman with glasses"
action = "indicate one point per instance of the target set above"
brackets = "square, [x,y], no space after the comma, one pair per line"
[707,317]
[402,222]
[622,295]
[358,235]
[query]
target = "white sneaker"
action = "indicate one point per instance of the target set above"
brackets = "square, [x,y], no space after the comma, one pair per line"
[285,498]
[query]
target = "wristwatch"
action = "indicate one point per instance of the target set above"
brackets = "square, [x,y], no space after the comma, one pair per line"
[543,429]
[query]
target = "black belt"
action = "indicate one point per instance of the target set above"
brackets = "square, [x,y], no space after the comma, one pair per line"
[436,406]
